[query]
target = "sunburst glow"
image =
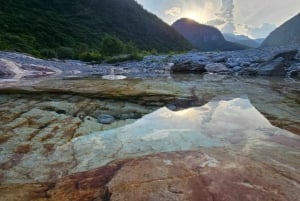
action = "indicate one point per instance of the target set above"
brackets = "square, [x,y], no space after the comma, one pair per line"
[194,15]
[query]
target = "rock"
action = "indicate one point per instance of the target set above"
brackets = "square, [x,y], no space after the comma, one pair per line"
[105,119]
[10,68]
[219,59]
[274,67]
[216,68]
[246,64]
[294,70]
[188,66]
[237,68]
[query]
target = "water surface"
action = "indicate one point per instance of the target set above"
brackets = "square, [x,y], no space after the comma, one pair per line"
[50,128]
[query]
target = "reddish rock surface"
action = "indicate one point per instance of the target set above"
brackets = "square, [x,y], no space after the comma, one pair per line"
[206,175]
[197,176]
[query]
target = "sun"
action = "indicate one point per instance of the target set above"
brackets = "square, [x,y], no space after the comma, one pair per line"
[194,15]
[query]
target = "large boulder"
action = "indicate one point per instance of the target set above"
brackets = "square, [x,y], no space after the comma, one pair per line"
[274,67]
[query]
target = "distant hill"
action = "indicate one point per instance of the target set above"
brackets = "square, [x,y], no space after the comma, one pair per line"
[204,37]
[32,25]
[287,33]
[241,39]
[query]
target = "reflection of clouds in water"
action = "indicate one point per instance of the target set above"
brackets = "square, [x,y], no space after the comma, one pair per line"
[234,123]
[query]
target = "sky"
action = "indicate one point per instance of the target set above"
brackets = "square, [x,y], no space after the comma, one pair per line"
[254,18]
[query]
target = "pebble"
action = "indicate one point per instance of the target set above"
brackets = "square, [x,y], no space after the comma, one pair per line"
[105,119]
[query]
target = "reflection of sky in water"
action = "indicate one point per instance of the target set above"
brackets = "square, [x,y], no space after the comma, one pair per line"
[113,77]
[216,124]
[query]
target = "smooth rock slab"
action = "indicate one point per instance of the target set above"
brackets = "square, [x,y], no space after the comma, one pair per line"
[198,176]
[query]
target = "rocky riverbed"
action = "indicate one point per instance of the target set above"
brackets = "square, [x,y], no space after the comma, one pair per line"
[276,61]
[140,131]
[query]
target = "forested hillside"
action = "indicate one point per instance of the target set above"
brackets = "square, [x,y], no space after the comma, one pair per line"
[36,26]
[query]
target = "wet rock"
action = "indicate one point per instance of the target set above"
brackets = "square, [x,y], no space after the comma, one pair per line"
[105,119]
[216,68]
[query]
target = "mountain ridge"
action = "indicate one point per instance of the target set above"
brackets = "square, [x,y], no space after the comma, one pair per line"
[285,34]
[204,37]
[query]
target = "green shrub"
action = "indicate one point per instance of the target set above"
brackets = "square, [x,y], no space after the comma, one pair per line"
[130,48]
[65,53]
[48,53]
[90,56]
[153,52]
[121,58]
[137,57]
[111,45]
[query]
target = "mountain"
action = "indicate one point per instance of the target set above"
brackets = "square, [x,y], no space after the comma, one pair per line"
[241,39]
[204,37]
[287,33]
[33,25]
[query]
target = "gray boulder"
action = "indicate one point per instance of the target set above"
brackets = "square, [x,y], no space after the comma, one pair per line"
[187,66]
[276,67]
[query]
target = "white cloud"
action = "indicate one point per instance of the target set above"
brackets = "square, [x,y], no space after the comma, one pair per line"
[174,11]
[225,17]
